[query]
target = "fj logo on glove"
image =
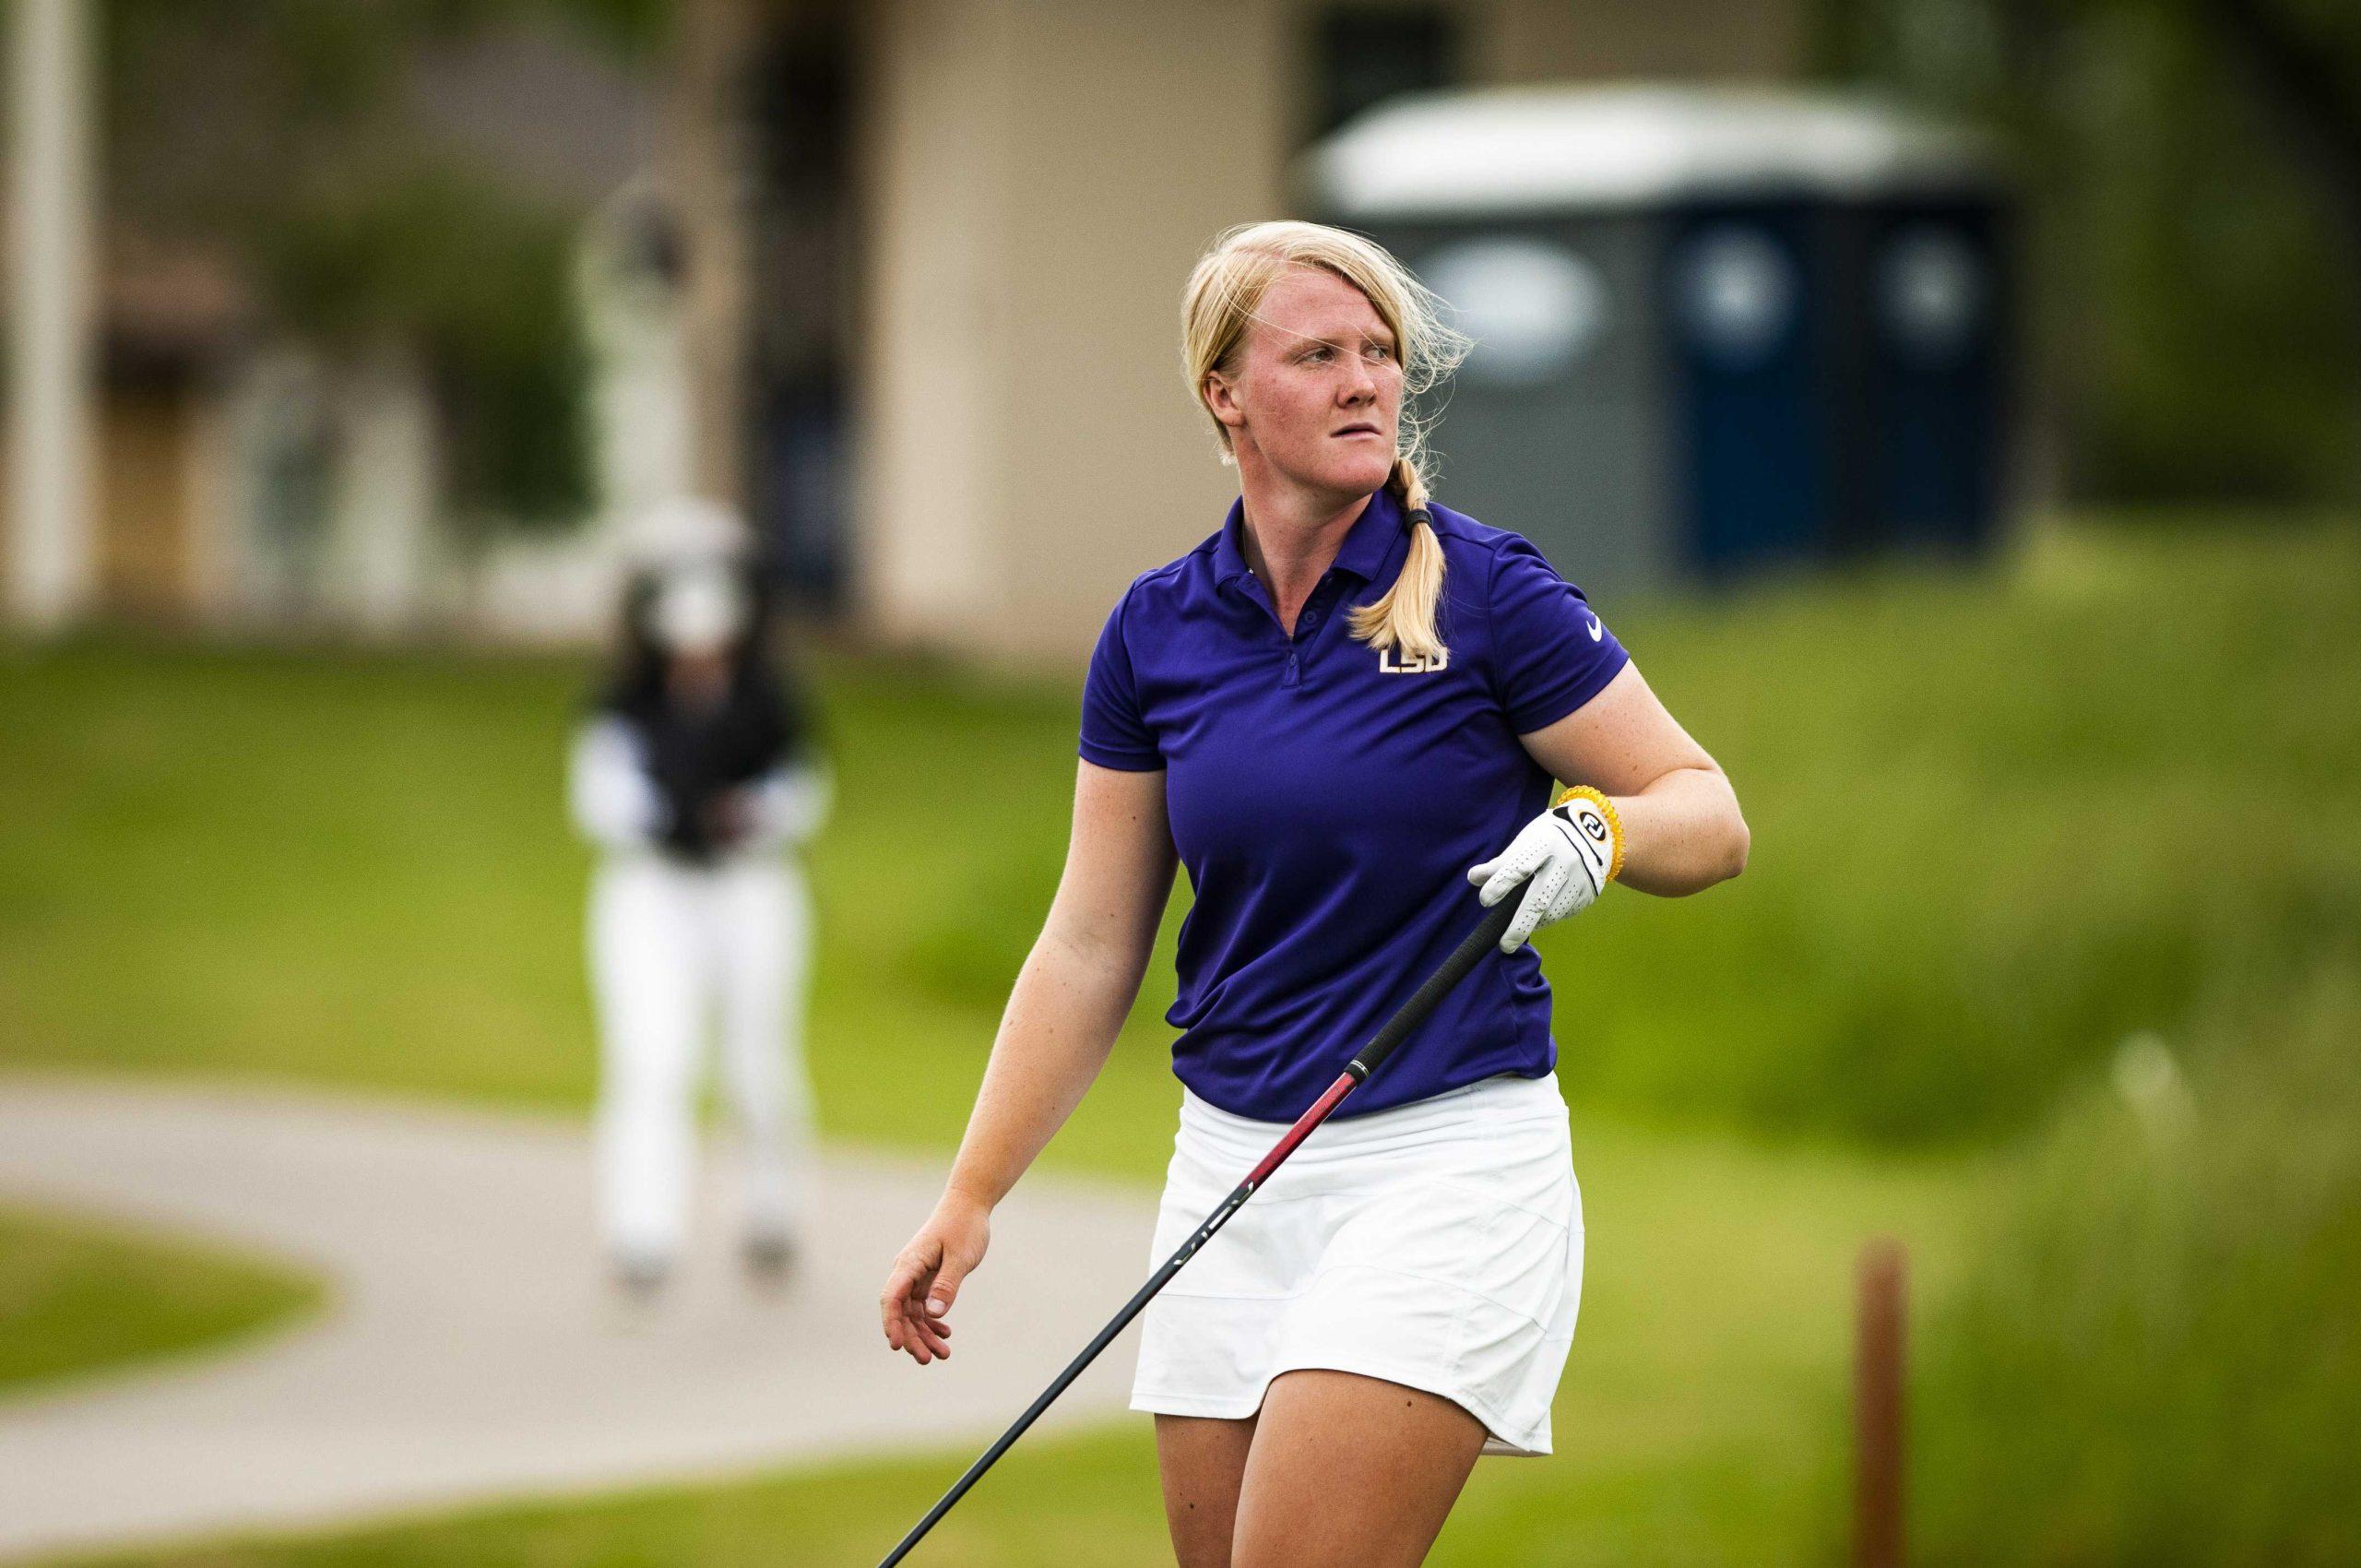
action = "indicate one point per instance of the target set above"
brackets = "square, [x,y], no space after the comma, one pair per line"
[1592,824]
[1422,664]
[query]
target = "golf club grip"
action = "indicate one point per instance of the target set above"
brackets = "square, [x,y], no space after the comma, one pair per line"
[1454,969]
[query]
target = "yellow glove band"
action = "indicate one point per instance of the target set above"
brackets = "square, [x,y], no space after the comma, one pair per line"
[1606,809]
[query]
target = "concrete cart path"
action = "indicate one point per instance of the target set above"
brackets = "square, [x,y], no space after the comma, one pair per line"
[472,1349]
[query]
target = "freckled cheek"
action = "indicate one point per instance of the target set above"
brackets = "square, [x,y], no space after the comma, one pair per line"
[1308,417]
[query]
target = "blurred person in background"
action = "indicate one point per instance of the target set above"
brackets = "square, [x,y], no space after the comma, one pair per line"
[696,775]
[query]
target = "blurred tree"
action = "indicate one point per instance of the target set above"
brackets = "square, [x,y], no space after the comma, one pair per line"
[2194,173]
[281,132]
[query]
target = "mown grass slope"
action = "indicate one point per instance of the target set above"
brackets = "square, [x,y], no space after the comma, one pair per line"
[2000,821]
[2156,1357]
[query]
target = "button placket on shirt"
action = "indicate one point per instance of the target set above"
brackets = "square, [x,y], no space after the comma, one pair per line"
[1305,625]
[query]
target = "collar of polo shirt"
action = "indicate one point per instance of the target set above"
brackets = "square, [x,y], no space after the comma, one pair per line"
[1372,552]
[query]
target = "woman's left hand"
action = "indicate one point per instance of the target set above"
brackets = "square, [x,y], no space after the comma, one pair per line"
[1565,857]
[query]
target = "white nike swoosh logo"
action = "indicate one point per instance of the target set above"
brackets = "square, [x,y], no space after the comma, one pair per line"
[1597,631]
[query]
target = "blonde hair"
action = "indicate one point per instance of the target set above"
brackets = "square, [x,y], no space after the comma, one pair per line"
[1223,293]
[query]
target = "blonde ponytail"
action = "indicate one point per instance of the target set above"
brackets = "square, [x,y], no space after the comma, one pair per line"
[1224,292]
[1404,620]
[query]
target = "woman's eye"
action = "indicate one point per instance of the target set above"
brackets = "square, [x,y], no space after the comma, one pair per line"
[1379,351]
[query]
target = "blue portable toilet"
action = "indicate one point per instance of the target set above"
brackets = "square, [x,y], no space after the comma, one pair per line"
[1716,329]
[1930,286]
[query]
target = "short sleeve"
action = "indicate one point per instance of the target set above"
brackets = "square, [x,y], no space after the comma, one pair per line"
[1550,650]
[1113,733]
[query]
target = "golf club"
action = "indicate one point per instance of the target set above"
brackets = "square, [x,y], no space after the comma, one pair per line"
[1408,1018]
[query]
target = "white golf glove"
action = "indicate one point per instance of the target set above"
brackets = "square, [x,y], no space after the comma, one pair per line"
[1566,857]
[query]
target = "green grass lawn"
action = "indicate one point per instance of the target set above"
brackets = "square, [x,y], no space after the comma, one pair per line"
[79,1294]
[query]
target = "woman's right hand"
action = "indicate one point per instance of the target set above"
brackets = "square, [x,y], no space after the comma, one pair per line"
[918,1294]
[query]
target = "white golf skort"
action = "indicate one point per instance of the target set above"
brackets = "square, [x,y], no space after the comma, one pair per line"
[1437,1245]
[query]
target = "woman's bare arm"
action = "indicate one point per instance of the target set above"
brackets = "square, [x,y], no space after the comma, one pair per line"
[1682,829]
[1068,1003]
[1079,982]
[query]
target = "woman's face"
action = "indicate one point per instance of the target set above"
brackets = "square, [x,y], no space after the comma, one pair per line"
[1316,393]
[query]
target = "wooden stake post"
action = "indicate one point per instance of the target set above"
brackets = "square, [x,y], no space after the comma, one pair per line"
[1878,1407]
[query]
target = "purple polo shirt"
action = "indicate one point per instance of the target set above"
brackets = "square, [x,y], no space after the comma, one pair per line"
[1327,803]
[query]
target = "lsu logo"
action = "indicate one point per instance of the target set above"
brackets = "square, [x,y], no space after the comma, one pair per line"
[1424,665]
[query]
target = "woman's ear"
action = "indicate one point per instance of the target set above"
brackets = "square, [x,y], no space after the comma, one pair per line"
[1221,399]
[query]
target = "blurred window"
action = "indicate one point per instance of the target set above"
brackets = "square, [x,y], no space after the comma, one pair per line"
[1532,307]
[1367,56]
[1933,286]
[807,256]
[1737,289]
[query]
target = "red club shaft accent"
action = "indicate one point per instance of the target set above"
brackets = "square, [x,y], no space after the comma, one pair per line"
[1346,1083]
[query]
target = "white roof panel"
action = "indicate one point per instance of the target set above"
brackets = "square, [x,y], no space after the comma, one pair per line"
[1560,149]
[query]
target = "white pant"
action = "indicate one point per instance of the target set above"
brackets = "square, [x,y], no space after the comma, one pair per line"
[671,948]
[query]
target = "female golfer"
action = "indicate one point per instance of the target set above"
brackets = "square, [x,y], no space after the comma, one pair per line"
[1337,712]
[693,775]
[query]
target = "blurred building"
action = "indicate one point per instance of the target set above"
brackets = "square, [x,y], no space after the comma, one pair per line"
[168,326]
[1038,175]
[928,313]
[234,475]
